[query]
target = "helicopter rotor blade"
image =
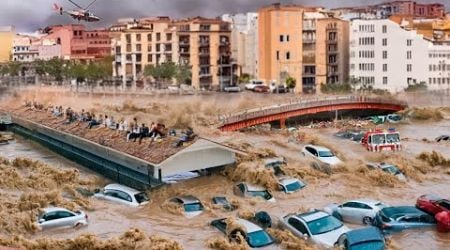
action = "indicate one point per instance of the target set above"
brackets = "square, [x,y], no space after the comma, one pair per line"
[91,4]
[78,6]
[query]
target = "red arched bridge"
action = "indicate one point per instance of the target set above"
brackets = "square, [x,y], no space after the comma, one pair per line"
[282,112]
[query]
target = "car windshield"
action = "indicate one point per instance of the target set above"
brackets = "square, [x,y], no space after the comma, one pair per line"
[392,169]
[324,225]
[193,207]
[378,139]
[264,194]
[141,197]
[393,138]
[368,245]
[294,186]
[259,239]
[325,154]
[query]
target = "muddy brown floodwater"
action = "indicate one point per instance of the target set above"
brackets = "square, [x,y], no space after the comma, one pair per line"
[109,220]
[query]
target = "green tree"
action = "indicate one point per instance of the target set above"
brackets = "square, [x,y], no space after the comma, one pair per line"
[184,74]
[162,72]
[291,82]
[55,67]
[244,78]
[14,68]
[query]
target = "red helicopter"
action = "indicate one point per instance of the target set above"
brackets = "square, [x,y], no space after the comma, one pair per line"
[81,14]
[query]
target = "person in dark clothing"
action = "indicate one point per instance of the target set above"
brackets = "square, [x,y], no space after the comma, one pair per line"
[144,131]
[186,136]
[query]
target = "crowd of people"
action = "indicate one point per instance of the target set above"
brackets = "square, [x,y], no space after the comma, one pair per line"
[133,131]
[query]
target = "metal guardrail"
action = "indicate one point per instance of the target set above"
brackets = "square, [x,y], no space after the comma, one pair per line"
[300,104]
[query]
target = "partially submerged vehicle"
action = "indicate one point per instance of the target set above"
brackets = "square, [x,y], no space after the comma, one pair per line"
[353,135]
[380,119]
[382,140]
[388,168]
[286,184]
[60,217]
[246,230]
[190,204]
[246,190]
[432,204]
[403,217]
[123,194]
[369,238]
[316,226]
[321,154]
[443,138]
[361,211]
[223,202]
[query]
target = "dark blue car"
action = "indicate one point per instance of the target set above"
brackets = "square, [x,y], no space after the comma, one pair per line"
[368,238]
[403,217]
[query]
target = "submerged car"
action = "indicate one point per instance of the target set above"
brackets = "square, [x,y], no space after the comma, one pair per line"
[356,211]
[223,202]
[246,190]
[403,217]
[317,226]
[286,184]
[321,154]
[123,194]
[433,204]
[443,138]
[60,217]
[254,235]
[353,135]
[388,168]
[368,238]
[191,205]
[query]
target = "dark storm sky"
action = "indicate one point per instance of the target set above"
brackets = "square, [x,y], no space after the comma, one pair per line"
[29,15]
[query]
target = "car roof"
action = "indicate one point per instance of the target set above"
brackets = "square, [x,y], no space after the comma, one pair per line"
[401,210]
[318,148]
[311,216]
[188,199]
[364,235]
[273,160]
[251,187]
[53,209]
[365,201]
[120,187]
[249,226]
[432,197]
[288,180]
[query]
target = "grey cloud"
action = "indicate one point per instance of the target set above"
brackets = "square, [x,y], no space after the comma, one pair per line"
[29,15]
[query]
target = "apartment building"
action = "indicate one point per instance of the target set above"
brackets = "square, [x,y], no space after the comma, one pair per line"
[203,44]
[307,44]
[77,43]
[244,41]
[7,34]
[387,56]
[23,50]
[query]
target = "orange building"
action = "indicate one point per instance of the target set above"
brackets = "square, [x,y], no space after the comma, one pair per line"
[307,44]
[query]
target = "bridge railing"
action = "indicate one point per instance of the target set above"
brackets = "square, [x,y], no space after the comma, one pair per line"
[300,104]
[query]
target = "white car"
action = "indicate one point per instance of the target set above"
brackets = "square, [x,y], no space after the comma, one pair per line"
[356,211]
[191,205]
[247,190]
[290,185]
[388,168]
[316,226]
[321,154]
[60,217]
[252,84]
[123,194]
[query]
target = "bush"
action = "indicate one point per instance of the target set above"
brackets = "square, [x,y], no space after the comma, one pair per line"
[344,88]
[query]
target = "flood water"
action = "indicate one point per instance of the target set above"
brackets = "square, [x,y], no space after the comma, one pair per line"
[107,219]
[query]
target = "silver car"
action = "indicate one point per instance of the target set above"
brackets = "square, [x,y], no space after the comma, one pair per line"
[356,211]
[247,190]
[60,217]
[123,194]
[388,168]
[191,205]
[317,226]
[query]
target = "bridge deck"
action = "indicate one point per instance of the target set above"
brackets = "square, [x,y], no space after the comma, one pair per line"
[262,115]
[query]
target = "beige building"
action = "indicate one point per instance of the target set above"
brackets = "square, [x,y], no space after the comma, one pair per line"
[203,44]
[6,43]
[307,44]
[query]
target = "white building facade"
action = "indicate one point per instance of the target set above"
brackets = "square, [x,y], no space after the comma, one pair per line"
[244,41]
[386,56]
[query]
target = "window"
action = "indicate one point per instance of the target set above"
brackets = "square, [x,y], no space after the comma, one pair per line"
[385,67]
[350,204]
[287,38]
[138,47]
[64,214]
[138,37]
[149,37]
[384,54]
[288,55]
[278,55]
[281,38]
[169,37]
[298,225]
[384,42]
[409,67]
[385,80]
[158,36]
[409,42]
[384,28]
[150,58]
[408,54]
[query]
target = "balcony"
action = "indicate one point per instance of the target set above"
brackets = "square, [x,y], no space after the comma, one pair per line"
[203,43]
[184,52]
[309,28]
[309,41]
[332,41]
